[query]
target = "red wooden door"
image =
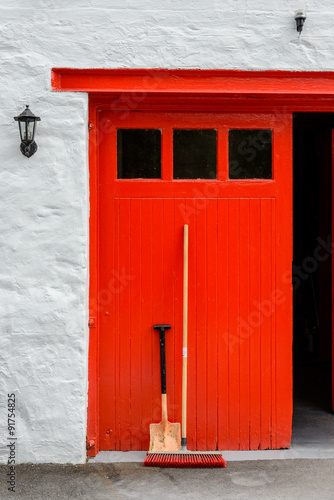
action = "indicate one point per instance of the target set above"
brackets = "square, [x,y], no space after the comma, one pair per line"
[240,314]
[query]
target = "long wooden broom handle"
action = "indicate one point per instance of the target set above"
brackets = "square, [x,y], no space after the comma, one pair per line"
[185,338]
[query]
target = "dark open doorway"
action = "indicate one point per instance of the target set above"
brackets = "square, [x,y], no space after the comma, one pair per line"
[312,274]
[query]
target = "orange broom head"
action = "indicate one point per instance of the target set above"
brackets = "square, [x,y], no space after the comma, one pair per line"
[186,459]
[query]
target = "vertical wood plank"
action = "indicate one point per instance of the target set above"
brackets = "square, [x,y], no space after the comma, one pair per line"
[93,408]
[179,221]
[201,323]
[168,302]
[105,309]
[265,310]
[234,334]
[254,324]
[211,299]
[244,328]
[116,321]
[146,323]
[222,323]
[283,366]
[134,282]
[124,325]
[104,303]
[157,299]
[192,417]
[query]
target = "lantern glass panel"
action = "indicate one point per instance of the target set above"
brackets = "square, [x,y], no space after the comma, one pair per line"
[30,130]
[23,130]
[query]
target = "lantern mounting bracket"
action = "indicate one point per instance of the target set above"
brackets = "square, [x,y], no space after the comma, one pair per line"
[28,149]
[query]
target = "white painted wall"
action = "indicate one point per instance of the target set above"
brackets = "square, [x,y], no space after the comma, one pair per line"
[44,199]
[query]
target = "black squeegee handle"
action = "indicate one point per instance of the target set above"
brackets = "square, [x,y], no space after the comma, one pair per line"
[162,329]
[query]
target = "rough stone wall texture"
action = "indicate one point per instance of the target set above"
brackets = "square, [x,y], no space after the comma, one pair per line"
[44,200]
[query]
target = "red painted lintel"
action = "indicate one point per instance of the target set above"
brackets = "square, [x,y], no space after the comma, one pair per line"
[156,81]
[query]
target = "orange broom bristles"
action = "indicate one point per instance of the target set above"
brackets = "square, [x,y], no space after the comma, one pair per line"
[184,460]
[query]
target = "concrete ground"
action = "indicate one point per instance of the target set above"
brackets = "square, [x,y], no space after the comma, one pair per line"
[271,479]
[305,471]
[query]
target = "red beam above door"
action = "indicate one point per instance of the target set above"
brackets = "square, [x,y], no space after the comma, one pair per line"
[194,81]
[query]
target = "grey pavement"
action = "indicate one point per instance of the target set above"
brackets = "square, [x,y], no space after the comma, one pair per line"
[263,479]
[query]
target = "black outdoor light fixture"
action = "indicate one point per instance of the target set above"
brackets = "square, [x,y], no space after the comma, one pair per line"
[27,125]
[300,16]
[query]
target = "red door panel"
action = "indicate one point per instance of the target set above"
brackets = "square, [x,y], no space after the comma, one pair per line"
[240,317]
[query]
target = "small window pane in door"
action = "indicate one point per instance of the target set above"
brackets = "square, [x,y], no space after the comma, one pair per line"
[195,154]
[138,154]
[250,154]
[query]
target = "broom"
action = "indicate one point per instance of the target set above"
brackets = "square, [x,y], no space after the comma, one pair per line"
[185,458]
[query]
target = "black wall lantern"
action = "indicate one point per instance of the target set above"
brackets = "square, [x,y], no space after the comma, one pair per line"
[27,125]
[300,17]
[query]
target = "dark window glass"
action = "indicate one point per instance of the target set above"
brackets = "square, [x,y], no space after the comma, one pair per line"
[250,154]
[195,154]
[138,154]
